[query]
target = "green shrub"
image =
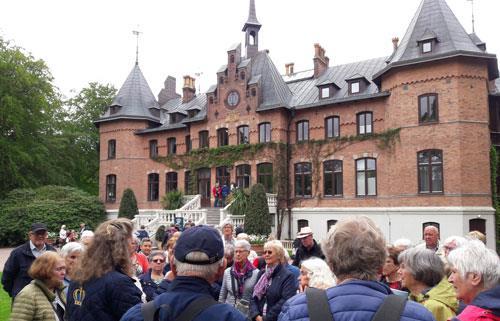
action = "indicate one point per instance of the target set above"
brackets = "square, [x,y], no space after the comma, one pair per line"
[52,205]
[128,205]
[172,200]
[257,218]
[240,200]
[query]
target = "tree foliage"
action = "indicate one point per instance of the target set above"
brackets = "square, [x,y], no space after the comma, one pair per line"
[257,218]
[128,205]
[240,199]
[52,205]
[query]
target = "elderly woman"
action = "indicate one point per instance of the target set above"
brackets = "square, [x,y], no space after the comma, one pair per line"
[42,299]
[139,260]
[390,272]
[275,285]
[475,274]
[244,236]
[102,287]
[355,251]
[227,233]
[154,276]
[70,252]
[315,273]
[422,273]
[239,280]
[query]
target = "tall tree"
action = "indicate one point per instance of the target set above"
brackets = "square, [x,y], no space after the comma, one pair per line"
[257,217]
[30,122]
[83,109]
[128,205]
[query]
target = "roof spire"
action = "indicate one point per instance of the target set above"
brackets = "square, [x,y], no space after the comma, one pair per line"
[252,16]
[136,33]
[472,8]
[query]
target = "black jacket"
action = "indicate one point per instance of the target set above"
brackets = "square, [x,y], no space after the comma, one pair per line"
[15,272]
[304,254]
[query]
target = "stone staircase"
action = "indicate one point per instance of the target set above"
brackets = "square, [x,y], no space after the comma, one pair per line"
[213,215]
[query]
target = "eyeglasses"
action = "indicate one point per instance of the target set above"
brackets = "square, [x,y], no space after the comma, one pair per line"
[268,252]
[158,261]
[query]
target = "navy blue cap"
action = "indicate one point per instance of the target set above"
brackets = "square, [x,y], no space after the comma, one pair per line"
[200,238]
[37,227]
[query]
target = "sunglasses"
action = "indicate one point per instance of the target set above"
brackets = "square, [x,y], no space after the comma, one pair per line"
[158,261]
[268,252]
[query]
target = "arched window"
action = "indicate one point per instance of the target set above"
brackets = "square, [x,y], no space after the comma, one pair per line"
[332,127]
[264,132]
[222,137]
[302,130]
[243,135]
[366,177]
[222,175]
[329,224]
[251,39]
[153,187]
[332,178]
[303,180]
[301,224]
[477,224]
[111,149]
[265,176]
[243,176]
[365,123]
[171,182]
[203,139]
[153,148]
[111,188]
[171,146]
[430,171]
[428,108]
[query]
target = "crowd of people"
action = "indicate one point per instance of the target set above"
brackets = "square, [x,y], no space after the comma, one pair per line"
[202,273]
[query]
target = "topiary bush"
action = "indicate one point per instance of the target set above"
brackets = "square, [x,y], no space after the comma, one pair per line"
[52,205]
[128,205]
[172,200]
[257,218]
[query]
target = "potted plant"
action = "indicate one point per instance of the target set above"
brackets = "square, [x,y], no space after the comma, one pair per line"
[257,242]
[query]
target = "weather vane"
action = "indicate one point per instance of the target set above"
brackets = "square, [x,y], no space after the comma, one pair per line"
[136,33]
[472,7]
[198,74]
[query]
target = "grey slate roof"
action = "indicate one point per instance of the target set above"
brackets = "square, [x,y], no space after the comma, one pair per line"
[275,92]
[306,93]
[252,16]
[135,98]
[435,19]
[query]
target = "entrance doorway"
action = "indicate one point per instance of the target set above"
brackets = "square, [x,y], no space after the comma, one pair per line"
[204,186]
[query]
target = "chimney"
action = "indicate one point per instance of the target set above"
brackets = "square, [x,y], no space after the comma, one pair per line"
[168,92]
[289,68]
[189,89]
[395,42]
[320,60]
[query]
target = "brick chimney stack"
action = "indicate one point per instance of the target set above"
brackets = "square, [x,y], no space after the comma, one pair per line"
[395,42]
[168,92]
[320,60]
[189,89]
[289,68]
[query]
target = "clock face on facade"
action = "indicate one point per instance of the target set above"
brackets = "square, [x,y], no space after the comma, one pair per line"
[233,99]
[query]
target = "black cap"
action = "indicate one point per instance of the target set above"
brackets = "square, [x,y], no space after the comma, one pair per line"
[37,227]
[199,239]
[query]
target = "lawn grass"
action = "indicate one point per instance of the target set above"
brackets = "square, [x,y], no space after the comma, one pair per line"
[4,303]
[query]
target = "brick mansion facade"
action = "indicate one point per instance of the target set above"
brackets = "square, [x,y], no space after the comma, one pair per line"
[404,139]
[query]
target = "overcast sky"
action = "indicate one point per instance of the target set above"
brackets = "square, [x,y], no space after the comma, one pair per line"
[92,40]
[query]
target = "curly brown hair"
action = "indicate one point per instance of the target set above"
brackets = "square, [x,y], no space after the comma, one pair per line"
[108,251]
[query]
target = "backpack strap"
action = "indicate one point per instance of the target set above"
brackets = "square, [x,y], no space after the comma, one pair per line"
[196,306]
[317,305]
[391,309]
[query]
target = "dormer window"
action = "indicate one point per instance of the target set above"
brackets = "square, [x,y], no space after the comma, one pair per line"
[194,112]
[325,92]
[354,87]
[426,46]
[114,109]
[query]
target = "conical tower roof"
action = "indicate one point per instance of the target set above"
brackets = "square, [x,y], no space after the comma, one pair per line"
[134,100]
[252,17]
[435,20]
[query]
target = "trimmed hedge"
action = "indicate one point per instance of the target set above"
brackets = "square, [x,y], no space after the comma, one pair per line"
[128,205]
[52,205]
[257,217]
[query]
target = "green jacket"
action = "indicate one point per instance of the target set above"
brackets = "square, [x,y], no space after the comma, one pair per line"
[34,303]
[441,300]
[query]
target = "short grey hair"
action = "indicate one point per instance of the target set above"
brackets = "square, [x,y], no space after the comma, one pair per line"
[355,248]
[424,265]
[156,253]
[229,250]
[71,247]
[474,257]
[243,243]
[459,241]
[319,273]
[205,271]
[402,243]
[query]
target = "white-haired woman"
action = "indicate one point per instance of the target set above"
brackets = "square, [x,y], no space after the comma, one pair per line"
[475,274]
[239,280]
[71,253]
[244,236]
[275,285]
[315,273]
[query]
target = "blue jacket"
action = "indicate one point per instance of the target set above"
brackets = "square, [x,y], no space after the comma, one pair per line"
[149,287]
[105,299]
[15,272]
[283,287]
[353,300]
[182,291]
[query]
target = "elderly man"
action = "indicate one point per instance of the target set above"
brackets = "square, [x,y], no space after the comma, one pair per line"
[308,247]
[198,262]
[452,243]
[475,274]
[15,274]
[355,250]
[431,238]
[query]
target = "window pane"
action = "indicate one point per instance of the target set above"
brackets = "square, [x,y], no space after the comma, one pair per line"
[338,184]
[355,87]
[372,183]
[325,92]
[329,127]
[360,164]
[300,132]
[371,164]
[427,47]
[298,185]
[437,179]
[308,185]
[360,181]
[368,122]
[336,127]
[424,178]
[423,158]
[328,185]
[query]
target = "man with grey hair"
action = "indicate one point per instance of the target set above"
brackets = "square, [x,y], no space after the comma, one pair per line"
[475,274]
[355,251]
[431,238]
[451,243]
[198,262]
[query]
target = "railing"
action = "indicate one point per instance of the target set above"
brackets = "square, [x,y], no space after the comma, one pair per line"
[287,244]
[224,213]
[239,219]
[272,200]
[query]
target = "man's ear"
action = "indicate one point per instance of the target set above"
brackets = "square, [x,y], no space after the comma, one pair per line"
[475,278]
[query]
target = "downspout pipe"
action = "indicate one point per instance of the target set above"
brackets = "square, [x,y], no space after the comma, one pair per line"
[291,116]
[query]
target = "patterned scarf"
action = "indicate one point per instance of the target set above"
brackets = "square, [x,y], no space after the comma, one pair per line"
[241,274]
[264,282]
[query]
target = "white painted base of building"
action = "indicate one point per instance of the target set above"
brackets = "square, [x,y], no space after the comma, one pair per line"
[401,222]
[112,214]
